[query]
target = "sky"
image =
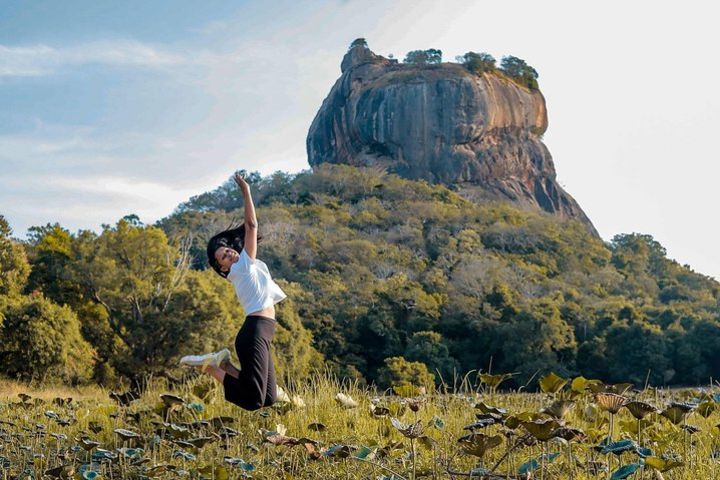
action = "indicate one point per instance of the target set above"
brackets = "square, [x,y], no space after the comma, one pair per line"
[111,108]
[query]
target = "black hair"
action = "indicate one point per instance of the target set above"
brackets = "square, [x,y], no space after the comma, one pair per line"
[232,238]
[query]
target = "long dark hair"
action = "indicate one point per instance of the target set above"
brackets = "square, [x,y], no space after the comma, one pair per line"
[232,238]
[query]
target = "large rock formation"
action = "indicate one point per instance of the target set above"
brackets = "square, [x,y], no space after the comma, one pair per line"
[479,133]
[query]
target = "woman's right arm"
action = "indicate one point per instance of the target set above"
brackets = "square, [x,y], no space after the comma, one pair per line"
[250,245]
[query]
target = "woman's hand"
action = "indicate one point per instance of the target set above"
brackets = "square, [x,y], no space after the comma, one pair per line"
[240,181]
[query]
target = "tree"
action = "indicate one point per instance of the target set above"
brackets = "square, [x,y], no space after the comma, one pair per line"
[42,341]
[430,349]
[155,308]
[359,42]
[424,57]
[399,372]
[477,62]
[518,70]
[14,266]
[50,249]
[634,349]
[292,342]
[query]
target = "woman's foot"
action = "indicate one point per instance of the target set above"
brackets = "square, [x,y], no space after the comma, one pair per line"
[214,359]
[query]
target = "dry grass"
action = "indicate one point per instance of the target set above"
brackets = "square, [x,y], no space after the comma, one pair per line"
[365,445]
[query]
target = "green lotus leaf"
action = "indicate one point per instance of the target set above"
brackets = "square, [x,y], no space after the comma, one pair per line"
[90,475]
[203,389]
[427,442]
[541,429]
[317,427]
[88,444]
[662,464]
[218,422]
[569,434]
[481,423]
[559,408]
[185,445]
[102,455]
[643,452]
[131,452]
[412,430]
[365,453]
[436,422]
[126,434]
[675,414]
[691,429]
[200,442]
[94,427]
[552,383]
[227,432]
[477,444]
[64,472]
[619,447]
[490,409]
[625,471]
[640,409]
[177,431]
[535,464]
[579,384]
[611,402]
[240,463]
[707,408]
[171,400]
[338,451]
[216,472]
[183,455]
[494,381]
[123,398]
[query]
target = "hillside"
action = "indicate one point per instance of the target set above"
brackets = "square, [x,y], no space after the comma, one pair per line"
[392,267]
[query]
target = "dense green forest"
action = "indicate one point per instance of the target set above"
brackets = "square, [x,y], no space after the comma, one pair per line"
[389,281]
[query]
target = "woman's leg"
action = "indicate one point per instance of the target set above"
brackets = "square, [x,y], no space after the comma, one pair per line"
[271,392]
[252,344]
[229,368]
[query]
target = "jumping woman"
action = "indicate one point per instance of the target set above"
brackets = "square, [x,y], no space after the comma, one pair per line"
[232,254]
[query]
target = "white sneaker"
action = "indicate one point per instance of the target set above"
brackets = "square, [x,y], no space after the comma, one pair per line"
[213,358]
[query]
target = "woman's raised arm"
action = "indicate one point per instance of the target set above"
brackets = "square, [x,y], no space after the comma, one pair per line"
[250,245]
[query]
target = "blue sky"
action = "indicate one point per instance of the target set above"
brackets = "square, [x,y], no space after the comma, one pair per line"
[110,108]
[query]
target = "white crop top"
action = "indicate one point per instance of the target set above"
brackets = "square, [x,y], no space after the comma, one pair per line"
[254,287]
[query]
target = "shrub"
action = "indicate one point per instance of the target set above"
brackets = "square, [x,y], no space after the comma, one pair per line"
[41,341]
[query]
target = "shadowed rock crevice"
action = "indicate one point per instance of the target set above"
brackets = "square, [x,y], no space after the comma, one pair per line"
[441,123]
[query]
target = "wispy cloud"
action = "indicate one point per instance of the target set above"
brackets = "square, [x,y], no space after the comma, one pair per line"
[38,60]
[42,60]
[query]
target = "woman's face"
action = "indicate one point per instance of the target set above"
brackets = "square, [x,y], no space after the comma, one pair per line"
[225,257]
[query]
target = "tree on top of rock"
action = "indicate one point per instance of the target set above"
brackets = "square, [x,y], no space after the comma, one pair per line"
[518,70]
[424,57]
[359,42]
[477,62]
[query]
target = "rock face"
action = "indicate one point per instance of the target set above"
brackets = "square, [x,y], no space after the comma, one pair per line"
[442,123]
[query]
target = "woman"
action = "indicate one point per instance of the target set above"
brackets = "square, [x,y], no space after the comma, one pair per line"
[232,254]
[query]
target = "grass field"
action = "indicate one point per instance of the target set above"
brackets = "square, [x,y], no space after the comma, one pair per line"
[189,431]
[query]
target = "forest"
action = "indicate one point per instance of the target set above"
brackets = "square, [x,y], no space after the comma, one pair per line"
[389,281]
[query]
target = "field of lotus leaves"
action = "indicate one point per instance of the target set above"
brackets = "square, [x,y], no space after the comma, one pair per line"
[326,429]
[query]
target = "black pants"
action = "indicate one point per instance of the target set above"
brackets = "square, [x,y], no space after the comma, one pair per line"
[255,388]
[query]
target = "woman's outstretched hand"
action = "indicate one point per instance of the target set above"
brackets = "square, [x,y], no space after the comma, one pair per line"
[240,181]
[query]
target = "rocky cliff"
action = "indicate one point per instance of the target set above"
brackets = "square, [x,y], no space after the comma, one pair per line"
[479,133]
